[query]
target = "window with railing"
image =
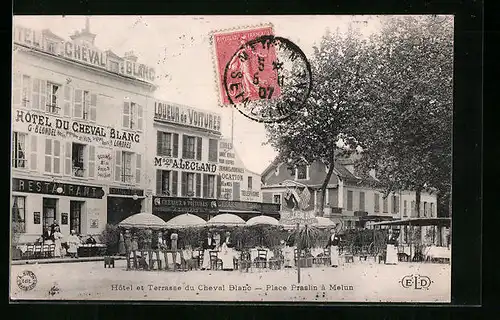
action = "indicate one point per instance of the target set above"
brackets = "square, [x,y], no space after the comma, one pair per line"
[19,150]
[127,167]
[78,159]
[53,98]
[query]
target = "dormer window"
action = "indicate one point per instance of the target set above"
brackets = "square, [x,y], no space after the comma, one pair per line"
[302,172]
[51,46]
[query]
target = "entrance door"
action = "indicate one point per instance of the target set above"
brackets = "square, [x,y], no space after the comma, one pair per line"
[75,216]
[49,211]
[236,191]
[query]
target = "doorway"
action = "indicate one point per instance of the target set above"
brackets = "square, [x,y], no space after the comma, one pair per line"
[75,216]
[49,211]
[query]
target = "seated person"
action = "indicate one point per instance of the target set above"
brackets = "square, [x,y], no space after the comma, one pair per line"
[90,240]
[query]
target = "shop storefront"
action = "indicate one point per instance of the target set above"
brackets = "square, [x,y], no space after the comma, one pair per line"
[169,207]
[124,202]
[39,203]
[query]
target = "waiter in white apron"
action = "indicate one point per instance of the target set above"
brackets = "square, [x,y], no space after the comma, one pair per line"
[333,244]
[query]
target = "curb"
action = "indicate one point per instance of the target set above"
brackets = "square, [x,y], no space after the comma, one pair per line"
[68,260]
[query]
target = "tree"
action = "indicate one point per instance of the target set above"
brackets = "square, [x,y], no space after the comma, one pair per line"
[407,138]
[340,68]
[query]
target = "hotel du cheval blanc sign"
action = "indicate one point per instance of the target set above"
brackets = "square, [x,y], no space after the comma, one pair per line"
[53,126]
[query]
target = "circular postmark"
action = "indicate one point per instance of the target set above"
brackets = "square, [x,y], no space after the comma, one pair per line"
[268,79]
[26,280]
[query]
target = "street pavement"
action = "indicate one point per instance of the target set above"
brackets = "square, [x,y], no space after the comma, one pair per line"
[361,281]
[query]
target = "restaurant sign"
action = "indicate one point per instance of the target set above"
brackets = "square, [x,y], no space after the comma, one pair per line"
[186,165]
[187,116]
[82,53]
[42,124]
[184,205]
[56,188]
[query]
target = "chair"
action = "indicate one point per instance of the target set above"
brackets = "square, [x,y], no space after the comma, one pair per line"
[326,256]
[277,261]
[245,261]
[30,249]
[52,250]
[215,262]
[200,257]
[154,257]
[45,250]
[261,260]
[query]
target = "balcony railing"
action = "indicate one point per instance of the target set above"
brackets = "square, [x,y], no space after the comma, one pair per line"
[19,163]
[78,171]
[53,108]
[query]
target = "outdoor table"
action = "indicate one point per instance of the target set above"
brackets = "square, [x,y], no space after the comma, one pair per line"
[91,250]
[438,252]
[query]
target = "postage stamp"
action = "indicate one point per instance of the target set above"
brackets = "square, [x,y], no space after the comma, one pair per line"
[130,182]
[265,77]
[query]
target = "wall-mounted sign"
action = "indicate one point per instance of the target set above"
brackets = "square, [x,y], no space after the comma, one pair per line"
[126,192]
[187,116]
[36,217]
[184,205]
[103,163]
[268,208]
[85,54]
[186,165]
[250,193]
[56,188]
[64,218]
[42,124]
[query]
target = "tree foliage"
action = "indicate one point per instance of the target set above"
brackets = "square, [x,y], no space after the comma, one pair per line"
[407,136]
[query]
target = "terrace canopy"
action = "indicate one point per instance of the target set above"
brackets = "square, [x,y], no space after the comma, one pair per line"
[144,220]
[418,222]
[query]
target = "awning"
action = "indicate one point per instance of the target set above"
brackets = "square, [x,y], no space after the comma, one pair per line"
[421,222]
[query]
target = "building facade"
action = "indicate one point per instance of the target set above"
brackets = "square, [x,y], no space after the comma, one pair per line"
[78,133]
[351,199]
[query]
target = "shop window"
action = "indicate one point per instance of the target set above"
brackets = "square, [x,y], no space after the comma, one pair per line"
[53,91]
[132,115]
[75,216]
[19,212]
[19,150]
[49,211]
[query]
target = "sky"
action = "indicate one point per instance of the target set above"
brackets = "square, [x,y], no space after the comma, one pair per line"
[178,48]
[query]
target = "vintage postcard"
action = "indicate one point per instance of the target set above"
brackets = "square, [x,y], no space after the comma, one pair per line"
[232,158]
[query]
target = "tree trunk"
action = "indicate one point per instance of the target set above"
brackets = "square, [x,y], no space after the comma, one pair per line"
[324,185]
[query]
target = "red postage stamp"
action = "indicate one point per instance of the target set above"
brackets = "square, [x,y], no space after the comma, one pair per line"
[248,66]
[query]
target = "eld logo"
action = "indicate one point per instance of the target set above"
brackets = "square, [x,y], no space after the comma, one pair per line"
[416,281]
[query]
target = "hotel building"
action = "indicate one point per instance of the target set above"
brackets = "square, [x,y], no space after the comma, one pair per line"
[78,133]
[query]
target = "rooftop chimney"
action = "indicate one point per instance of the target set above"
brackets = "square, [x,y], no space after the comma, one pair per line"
[85,35]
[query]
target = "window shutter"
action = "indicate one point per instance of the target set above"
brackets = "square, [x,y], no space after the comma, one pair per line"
[138,166]
[17,90]
[68,93]
[57,156]
[159,143]
[43,94]
[175,148]
[93,107]
[35,94]
[158,182]
[78,107]
[175,180]
[118,165]
[199,146]
[139,117]
[48,155]
[184,145]
[184,184]
[219,186]
[34,152]
[67,159]
[205,185]
[198,185]
[126,114]
[91,173]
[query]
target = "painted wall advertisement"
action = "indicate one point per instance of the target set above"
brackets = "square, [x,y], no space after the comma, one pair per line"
[166,163]
[234,176]
[53,126]
[103,163]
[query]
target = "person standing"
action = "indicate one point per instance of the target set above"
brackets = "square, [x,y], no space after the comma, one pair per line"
[227,253]
[391,256]
[121,245]
[57,235]
[208,244]
[333,244]
[73,243]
